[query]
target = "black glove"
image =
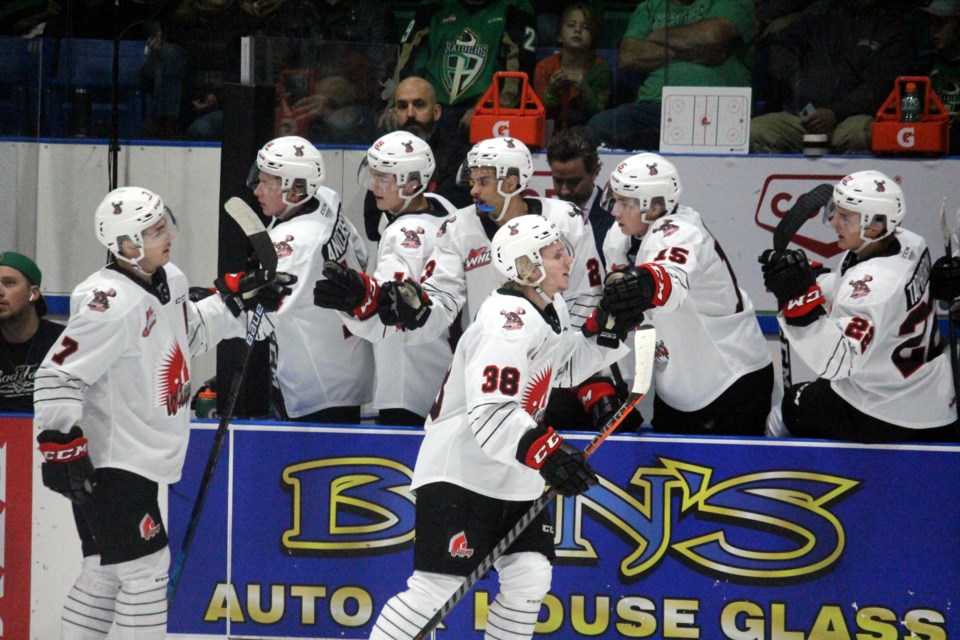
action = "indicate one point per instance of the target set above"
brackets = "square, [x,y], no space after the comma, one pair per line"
[66,466]
[562,466]
[609,329]
[629,292]
[243,291]
[196,294]
[790,277]
[346,290]
[404,304]
[945,279]
[601,399]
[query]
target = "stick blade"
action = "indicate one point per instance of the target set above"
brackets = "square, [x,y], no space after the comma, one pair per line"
[644,348]
[803,209]
[253,228]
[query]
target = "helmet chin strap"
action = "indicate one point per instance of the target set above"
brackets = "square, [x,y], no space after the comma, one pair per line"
[285,214]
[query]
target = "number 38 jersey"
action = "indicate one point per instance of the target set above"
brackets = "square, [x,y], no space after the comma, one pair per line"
[496,389]
[879,345]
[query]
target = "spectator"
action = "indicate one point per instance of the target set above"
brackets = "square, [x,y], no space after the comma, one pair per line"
[398,168]
[868,331]
[942,64]
[457,45]
[25,336]
[677,43]
[322,373]
[415,110]
[163,79]
[575,83]
[834,66]
[713,372]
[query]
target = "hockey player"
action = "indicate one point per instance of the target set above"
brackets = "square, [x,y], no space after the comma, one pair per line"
[485,455]
[309,345]
[868,331]
[111,408]
[713,372]
[398,168]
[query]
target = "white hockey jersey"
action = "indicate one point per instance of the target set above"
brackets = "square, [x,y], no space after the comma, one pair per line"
[408,376]
[707,331]
[496,390]
[121,370]
[878,345]
[319,364]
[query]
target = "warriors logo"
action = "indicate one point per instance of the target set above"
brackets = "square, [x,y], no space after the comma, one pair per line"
[667,229]
[173,381]
[148,527]
[101,300]
[283,247]
[411,239]
[151,320]
[860,288]
[513,319]
[458,546]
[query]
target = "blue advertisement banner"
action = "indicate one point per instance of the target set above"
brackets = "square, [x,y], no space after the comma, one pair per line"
[307,532]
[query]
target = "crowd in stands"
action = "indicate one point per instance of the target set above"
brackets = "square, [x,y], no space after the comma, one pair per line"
[815,66]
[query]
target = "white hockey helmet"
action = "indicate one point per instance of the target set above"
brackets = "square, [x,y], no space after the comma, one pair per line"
[297,163]
[507,157]
[646,176]
[872,195]
[517,244]
[125,213]
[403,155]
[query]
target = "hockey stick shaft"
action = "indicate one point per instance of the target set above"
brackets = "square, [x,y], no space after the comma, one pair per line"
[948,232]
[644,346]
[205,480]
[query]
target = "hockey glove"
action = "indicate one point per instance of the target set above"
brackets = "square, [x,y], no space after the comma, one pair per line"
[66,466]
[609,329]
[790,277]
[242,291]
[945,279]
[633,290]
[561,465]
[601,399]
[196,294]
[346,290]
[404,304]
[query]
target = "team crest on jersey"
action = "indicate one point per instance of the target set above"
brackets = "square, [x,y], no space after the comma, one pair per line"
[535,393]
[411,237]
[101,300]
[150,321]
[173,381]
[283,247]
[661,355]
[462,63]
[667,229]
[513,318]
[860,288]
[442,231]
[458,546]
[149,528]
[477,258]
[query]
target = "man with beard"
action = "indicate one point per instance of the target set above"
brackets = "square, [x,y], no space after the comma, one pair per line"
[415,109]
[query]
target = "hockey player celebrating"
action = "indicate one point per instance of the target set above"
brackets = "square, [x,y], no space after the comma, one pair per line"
[868,331]
[110,403]
[308,345]
[398,168]
[713,372]
[485,456]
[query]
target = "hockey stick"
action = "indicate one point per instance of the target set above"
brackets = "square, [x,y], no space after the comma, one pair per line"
[644,345]
[267,255]
[951,305]
[802,210]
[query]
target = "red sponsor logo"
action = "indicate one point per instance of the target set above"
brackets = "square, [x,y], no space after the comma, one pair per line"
[779,193]
[149,528]
[477,258]
[458,546]
[151,320]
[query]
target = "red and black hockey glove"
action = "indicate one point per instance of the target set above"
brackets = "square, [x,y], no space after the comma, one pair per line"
[791,278]
[601,399]
[66,466]
[345,289]
[242,291]
[561,465]
[631,291]
[404,304]
[608,328]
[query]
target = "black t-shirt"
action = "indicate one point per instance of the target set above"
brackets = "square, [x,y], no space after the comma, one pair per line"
[19,363]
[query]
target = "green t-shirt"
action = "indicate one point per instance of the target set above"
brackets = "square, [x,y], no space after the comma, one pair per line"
[652,15]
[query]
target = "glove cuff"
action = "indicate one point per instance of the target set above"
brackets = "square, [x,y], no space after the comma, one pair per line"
[371,295]
[590,327]
[590,393]
[803,304]
[662,285]
[536,445]
[64,451]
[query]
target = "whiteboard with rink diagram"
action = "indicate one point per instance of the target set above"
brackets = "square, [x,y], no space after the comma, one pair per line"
[705,120]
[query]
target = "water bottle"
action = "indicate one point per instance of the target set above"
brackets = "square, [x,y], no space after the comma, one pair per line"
[910,104]
[207,403]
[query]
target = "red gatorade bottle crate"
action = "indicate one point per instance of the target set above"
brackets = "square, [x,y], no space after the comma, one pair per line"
[898,131]
[526,122]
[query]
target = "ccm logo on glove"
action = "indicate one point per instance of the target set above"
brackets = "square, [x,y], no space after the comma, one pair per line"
[64,452]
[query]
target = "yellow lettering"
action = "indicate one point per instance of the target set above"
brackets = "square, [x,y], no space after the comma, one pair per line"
[752,627]
[481,607]
[338,606]
[271,615]
[680,618]
[778,624]
[554,615]
[223,603]
[578,614]
[309,595]
[878,622]
[917,619]
[829,625]
[637,622]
